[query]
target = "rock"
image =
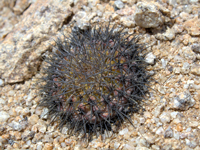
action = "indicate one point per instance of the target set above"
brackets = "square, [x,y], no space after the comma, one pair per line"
[177,70]
[119,4]
[116,145]
[195,69]
[172,2]
[183,101]
[39,145]
[192,26]
[33,119]
[20,6]
[191,144]
[193,1]
[18,126]
[143,143]
[186,68]
[193,124]
[127,22]
[11,93]
[48,146]
[4,116]
[196,47]
[155,147]
[158,110]
[178,28]
[164,63]
[188,129]
[1,82]
[20,55]
[142,120]
[150,138]
[150,58]
[184,15]
[83,19]
[167,36]
[165,117]
[160,131]
[150,15]
[7,19]
[147,114]
[2,101]
[44,113]
[168,133]
[173,114]
[123,132]
[188,53]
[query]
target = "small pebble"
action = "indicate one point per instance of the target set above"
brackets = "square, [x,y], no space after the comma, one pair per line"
[195,69]
[160,131]
[191,144]
[193,124]
[4,116]
[1,82]
[124,131]
[165,117]
[168,133]
[119,4]
[183,101]
[33,119]
[150,58]
[116,145]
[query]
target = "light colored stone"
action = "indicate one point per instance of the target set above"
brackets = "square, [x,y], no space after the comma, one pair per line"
[2,101]
[20,6]
[119,4]
[39,146]
[160,131]
[168,35]
[4,116]
[168,133]
[192,26]
[147,114]
[123,132]
[188,53]
[190,143]
[48,146]
[193,124]
[195,69]
[150,58]
[148,15]
[165,117]
[173,114]
[186,68]
[193,1]
[164,63]
[1,82]
[116,145]
[196,47]
[18,126]
[150,138]
[20,59]
[183,101]
[158,110]
[33,119]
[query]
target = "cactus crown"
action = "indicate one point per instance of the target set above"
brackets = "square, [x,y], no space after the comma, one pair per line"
[95,80]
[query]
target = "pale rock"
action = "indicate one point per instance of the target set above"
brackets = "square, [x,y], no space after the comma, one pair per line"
[149,15]
[165,117]
[123,132]
[4,116]
[150,58]
[160,131]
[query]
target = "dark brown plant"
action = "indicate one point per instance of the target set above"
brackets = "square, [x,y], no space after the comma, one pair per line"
[95,80]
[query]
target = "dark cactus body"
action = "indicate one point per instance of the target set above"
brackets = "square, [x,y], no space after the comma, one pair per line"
[95,80]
